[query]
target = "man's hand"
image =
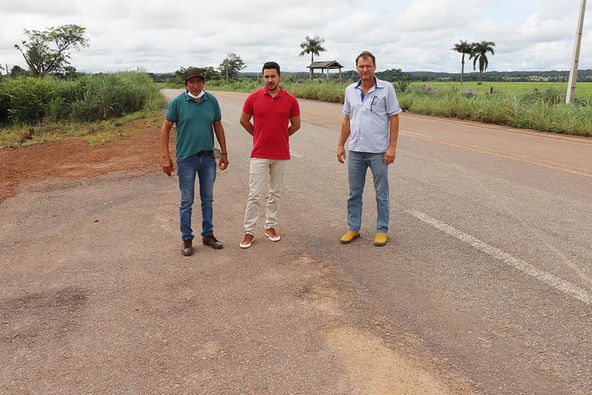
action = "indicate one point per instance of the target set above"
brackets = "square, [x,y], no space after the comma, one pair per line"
[340,154]
[167,166]
[223,162]
[389,155]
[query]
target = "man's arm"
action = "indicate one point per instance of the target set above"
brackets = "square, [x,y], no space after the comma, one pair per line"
[245,121]
[165,132]
[294,125]
[219,129]
[345,131]
[391,151]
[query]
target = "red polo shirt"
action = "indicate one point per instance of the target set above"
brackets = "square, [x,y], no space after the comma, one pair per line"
[271,116]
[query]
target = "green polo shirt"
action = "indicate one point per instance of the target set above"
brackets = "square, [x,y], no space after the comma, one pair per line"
[195,123]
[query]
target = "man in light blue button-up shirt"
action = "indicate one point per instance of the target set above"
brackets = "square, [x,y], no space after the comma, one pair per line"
[371,123]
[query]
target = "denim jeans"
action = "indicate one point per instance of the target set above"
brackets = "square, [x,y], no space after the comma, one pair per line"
[357,164]
[205,168]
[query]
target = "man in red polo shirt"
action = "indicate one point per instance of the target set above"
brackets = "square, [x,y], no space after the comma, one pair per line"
[276,116]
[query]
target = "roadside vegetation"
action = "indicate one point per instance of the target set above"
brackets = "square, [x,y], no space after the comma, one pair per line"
[34,110]
[533,105]
[51,99]
[541,107]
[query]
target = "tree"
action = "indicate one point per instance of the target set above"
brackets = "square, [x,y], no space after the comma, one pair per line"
[312,46]
[17,71]
[179,77]
[69,73]
[464,48]
[210,73]
[231,65]
[48,51]
[479,54]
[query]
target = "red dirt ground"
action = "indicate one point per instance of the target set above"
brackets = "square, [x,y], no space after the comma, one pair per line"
[73,158]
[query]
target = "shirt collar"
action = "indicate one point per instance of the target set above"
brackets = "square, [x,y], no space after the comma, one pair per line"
[378,84]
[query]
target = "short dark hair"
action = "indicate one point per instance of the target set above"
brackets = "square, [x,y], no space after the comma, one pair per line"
[271,65]
[366,54]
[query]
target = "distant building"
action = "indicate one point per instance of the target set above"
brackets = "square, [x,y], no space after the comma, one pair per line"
[325,65]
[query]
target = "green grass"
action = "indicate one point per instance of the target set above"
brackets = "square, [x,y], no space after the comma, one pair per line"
[583,89]
[96,133]
[330,91]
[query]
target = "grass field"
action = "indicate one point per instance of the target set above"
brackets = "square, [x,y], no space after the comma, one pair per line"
[583,89]
[319,90]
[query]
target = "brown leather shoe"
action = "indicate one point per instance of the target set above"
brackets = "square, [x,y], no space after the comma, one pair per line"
[187,249]
[247,241]
[272,234]
[211,241]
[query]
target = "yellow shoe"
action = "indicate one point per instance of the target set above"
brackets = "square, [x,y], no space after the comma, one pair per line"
[380,239]
[349,236]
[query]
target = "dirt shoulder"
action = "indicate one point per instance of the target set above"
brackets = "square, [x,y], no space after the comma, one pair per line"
[74,158]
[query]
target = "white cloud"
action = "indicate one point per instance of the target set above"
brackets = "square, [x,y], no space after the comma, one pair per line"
[161,36]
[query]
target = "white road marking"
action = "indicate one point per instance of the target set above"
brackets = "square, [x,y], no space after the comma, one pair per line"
[547,278]
[295,155]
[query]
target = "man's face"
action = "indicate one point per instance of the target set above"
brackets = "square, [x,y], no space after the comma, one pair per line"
[195,85]
[271,79]
[366,69]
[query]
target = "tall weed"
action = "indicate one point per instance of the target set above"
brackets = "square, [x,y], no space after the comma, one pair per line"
[88,98]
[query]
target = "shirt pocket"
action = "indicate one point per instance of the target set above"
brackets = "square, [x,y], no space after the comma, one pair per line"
[378,103]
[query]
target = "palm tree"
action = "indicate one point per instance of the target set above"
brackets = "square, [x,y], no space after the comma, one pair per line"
[312,46]
[464,48]
[479,53]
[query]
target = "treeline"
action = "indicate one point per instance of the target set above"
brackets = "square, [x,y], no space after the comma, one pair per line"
[499,76]
[393,75]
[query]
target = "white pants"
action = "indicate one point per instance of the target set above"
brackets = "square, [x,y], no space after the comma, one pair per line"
[264,172]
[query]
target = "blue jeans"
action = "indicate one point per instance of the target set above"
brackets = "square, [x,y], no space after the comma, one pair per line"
[205,168]
[357,164]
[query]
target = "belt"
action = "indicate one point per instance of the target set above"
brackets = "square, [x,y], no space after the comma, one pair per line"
[202,153]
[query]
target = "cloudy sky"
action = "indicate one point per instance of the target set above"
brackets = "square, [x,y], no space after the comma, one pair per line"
[161,36]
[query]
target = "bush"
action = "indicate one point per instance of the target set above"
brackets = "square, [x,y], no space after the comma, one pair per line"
[4,102]
[88,98]
[329,91]
[402,84]
[550,96]
[27,98]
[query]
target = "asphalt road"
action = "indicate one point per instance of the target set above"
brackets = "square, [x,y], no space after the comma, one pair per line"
[485,285]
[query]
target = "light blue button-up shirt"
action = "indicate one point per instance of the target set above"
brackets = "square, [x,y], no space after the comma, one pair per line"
[369,116]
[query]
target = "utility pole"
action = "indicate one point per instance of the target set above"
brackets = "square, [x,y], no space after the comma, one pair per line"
[573,74]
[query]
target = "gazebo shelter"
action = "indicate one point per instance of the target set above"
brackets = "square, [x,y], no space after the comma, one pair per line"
[325,65]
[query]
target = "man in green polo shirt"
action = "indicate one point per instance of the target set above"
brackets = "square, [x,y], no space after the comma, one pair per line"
[197,116]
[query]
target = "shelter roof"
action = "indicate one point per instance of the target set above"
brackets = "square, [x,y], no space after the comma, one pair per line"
[326,64]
